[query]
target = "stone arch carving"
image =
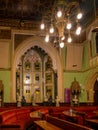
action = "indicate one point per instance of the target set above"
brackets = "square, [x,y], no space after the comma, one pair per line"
[53,53]
[90,86]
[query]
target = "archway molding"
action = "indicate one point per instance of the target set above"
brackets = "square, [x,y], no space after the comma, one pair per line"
[90,86]
[52,52]
[92,27]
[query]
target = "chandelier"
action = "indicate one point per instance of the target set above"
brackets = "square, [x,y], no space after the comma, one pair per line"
[62,21]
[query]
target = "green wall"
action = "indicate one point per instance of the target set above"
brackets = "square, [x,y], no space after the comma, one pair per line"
[5,77]
[85,73]
[80,77]
[5,73]
[85,59]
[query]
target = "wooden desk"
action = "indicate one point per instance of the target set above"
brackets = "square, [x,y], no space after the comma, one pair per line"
[96,112]
[44,125]
[35,115]
[92,121]
[68,113]
[71,115]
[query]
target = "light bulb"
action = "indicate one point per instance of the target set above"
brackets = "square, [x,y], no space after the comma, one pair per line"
[78,30]
[69,39]
[51,29]
[59,13]
[47,38]
[69,25]
[42,26]
[61,44]
[79,16]
[62,38]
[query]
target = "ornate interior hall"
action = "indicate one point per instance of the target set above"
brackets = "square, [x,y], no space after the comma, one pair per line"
[38,64]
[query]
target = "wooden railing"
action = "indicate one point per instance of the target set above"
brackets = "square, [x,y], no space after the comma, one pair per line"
[53,123]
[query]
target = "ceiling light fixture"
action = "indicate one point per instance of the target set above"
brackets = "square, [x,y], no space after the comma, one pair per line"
[62,21]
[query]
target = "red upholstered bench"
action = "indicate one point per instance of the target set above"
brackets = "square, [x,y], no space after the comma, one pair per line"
[16,117]
[9,127]
[89,111]
[57,111]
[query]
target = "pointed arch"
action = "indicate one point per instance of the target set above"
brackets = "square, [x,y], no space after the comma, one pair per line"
[52,52]
[90,86]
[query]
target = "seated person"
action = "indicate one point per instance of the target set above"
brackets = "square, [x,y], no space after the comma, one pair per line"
[50,100]
[23,101]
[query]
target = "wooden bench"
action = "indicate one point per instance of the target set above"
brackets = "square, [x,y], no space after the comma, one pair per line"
[44,125]
[82,114]
[9,127]
[93,123]
[54,123]
[73,117]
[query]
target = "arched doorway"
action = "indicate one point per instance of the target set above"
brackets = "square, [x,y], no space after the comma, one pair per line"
[51,51]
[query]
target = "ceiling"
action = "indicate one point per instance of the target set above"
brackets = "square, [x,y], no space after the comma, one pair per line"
[29,13]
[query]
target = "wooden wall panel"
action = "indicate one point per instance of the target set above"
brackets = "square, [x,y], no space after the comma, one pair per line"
[74,57]
[4,54]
